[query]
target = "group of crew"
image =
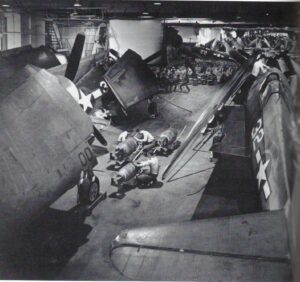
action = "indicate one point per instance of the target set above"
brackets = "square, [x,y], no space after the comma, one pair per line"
[146,171]
[131,146]
[213,72]
[173,78]
[142,136]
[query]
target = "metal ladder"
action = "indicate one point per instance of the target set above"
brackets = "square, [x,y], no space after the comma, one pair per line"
[54,40]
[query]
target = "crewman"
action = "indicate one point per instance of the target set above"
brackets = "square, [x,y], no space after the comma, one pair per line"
[259,66]
[123,136]
[170,77]
[143,136]
[185,80]
[146,139]
[149,170]
[152,108]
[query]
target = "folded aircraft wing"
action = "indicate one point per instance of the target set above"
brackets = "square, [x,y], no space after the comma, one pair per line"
[131,80]
[219,98]
[43,145]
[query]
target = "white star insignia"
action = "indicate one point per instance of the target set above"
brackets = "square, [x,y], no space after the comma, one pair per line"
[85,101]
[261,175]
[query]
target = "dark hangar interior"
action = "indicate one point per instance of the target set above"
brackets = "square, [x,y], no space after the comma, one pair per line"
[149,140]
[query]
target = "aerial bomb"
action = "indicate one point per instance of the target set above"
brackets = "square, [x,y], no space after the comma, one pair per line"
[167,141]
[167,137]
[126,173]
[124,149]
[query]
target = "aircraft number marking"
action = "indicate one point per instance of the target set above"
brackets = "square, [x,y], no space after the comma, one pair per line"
[85,156]
[257,134]
[104,87]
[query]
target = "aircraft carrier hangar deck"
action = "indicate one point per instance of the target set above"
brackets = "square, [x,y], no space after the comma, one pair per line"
[147,140]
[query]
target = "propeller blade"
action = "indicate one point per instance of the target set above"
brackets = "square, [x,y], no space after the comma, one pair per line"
[115,53]
[75,57]
[99,136]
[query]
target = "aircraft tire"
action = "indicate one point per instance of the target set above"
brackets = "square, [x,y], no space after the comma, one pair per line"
[91,193]
[94,190]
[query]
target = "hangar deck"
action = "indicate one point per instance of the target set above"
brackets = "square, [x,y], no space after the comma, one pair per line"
[73,247]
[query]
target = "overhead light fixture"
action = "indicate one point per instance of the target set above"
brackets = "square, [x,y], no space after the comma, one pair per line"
[5,5]
[157,3]
[145,13]
[146,17]
[77,4]
[74,13]
[267,14]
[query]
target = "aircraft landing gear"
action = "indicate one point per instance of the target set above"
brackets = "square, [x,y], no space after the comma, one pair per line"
[88,188]
[90,193]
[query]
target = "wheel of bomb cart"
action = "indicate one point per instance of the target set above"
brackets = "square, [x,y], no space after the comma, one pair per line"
[176,145]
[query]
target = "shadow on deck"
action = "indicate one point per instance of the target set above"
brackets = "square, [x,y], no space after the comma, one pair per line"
[231,190]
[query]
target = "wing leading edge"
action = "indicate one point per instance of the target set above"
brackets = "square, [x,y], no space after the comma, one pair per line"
[251,247]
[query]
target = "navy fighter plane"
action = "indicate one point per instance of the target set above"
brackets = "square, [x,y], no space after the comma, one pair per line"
[260,246]
[44,140]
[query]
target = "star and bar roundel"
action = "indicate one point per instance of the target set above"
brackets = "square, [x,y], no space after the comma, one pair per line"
[262,162]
